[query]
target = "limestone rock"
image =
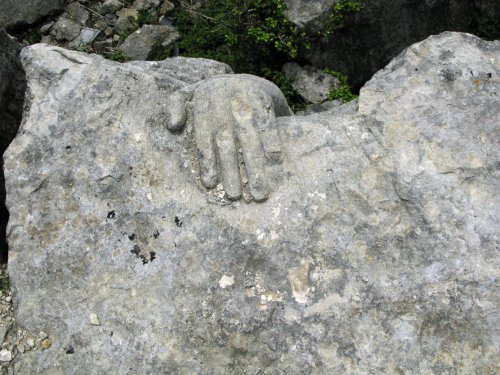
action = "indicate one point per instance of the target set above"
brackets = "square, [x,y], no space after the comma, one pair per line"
[5,355]
[141,44]
[376,252]
[302,12]
[166,6]
[65,29]
[110,6]
[145,4]
[312,84]
[77,13]
[14,13]
[126,20]
[86,37]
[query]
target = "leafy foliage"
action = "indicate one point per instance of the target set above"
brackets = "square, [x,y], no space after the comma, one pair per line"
[117,55]
[252,36]
[244,34]
[147,17]
[340,11]
[344,92]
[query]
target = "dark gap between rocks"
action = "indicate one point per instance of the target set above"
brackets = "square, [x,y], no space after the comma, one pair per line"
[12,89]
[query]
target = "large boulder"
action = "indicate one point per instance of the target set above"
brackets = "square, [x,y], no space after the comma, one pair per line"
[376,251]
[12,87]
[380,31]
[15,13]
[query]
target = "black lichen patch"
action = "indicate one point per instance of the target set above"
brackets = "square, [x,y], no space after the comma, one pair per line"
[156,234]
[111,214]
[136,250]
[178,221]
[70,350]
[131,237]
[68,147]
[145,258]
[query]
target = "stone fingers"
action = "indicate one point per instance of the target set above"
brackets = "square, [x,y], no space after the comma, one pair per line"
[253,155]
[176,111]
[228,157]
[204,140]
[264,120]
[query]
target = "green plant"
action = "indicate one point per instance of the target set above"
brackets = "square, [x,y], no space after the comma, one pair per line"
[340,11]
[245,34]
[344,92]
[128,31]
[252,36]
[147,17]
[116,55]
[31,35]
[161,53]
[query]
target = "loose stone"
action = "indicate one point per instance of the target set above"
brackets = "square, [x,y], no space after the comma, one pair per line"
[5,355]
[47,343]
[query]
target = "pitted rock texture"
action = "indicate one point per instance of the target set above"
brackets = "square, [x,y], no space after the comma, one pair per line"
[376,252]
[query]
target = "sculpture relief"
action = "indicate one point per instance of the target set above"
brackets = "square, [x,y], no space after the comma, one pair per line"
[227,111]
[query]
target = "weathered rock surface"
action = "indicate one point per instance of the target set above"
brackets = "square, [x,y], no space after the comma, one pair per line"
[312,84]
[378,33]
[12,87]
[14,12]
[141,44]
[376,252]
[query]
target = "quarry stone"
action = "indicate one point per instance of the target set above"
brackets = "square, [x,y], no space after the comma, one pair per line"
[375,252]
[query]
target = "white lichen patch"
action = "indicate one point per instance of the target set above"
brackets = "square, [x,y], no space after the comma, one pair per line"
[299,280]
[226,281]
[94,320]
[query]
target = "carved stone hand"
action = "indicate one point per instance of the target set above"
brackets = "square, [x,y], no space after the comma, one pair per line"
[228,110]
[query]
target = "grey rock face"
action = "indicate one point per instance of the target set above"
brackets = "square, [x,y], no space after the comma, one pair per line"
[111,6]
[141,44]
[377,250]
[12,87]
[302,12]
[66,30]
[378,33]
[15,12]
[126,19]
[77,12]
[312,84]
[146,4]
